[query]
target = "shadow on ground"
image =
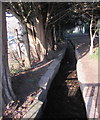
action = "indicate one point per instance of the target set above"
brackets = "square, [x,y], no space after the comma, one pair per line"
[82,43]
[26,82]
[92,98]
[64,97]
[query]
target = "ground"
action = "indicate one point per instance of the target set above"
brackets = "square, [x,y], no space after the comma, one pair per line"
[88,74]
[89,63]
[26,83]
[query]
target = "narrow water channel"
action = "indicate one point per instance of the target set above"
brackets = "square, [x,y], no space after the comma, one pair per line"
[64,99]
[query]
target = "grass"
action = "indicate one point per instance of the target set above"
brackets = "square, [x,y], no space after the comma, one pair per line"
[96,54]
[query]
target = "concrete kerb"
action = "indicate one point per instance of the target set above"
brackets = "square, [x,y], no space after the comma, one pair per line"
[61,55]
[44,83]
[80,74]
[48,77]
[52,70]
[33,111]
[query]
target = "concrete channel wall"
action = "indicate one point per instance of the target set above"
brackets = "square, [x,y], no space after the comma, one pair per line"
[38,106]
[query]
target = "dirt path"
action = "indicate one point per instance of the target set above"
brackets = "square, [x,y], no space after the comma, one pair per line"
[64,97]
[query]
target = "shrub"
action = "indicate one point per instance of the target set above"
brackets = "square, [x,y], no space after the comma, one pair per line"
[13,71]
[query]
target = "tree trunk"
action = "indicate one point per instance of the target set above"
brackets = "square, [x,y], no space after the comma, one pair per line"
[59,31]
[27,46]
[46,42]
[1,60]
[18,46]
[53,42]
[55,39]
[91,47]
[91,36]
[7,92]
[40,37]
[99,37]
[33,45]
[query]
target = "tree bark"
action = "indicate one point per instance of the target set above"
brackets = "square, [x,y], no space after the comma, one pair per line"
[27,45]
[59,30]
[99,37]
[1,101]
[92,36]
[18,45]
[91,45]
[7,92]
[40,37]
[55,39]
[34,55]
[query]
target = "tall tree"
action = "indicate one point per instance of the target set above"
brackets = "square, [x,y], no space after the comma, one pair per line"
[93,31]
[7,92]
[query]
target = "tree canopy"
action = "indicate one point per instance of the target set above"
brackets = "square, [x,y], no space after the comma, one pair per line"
[51,12]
